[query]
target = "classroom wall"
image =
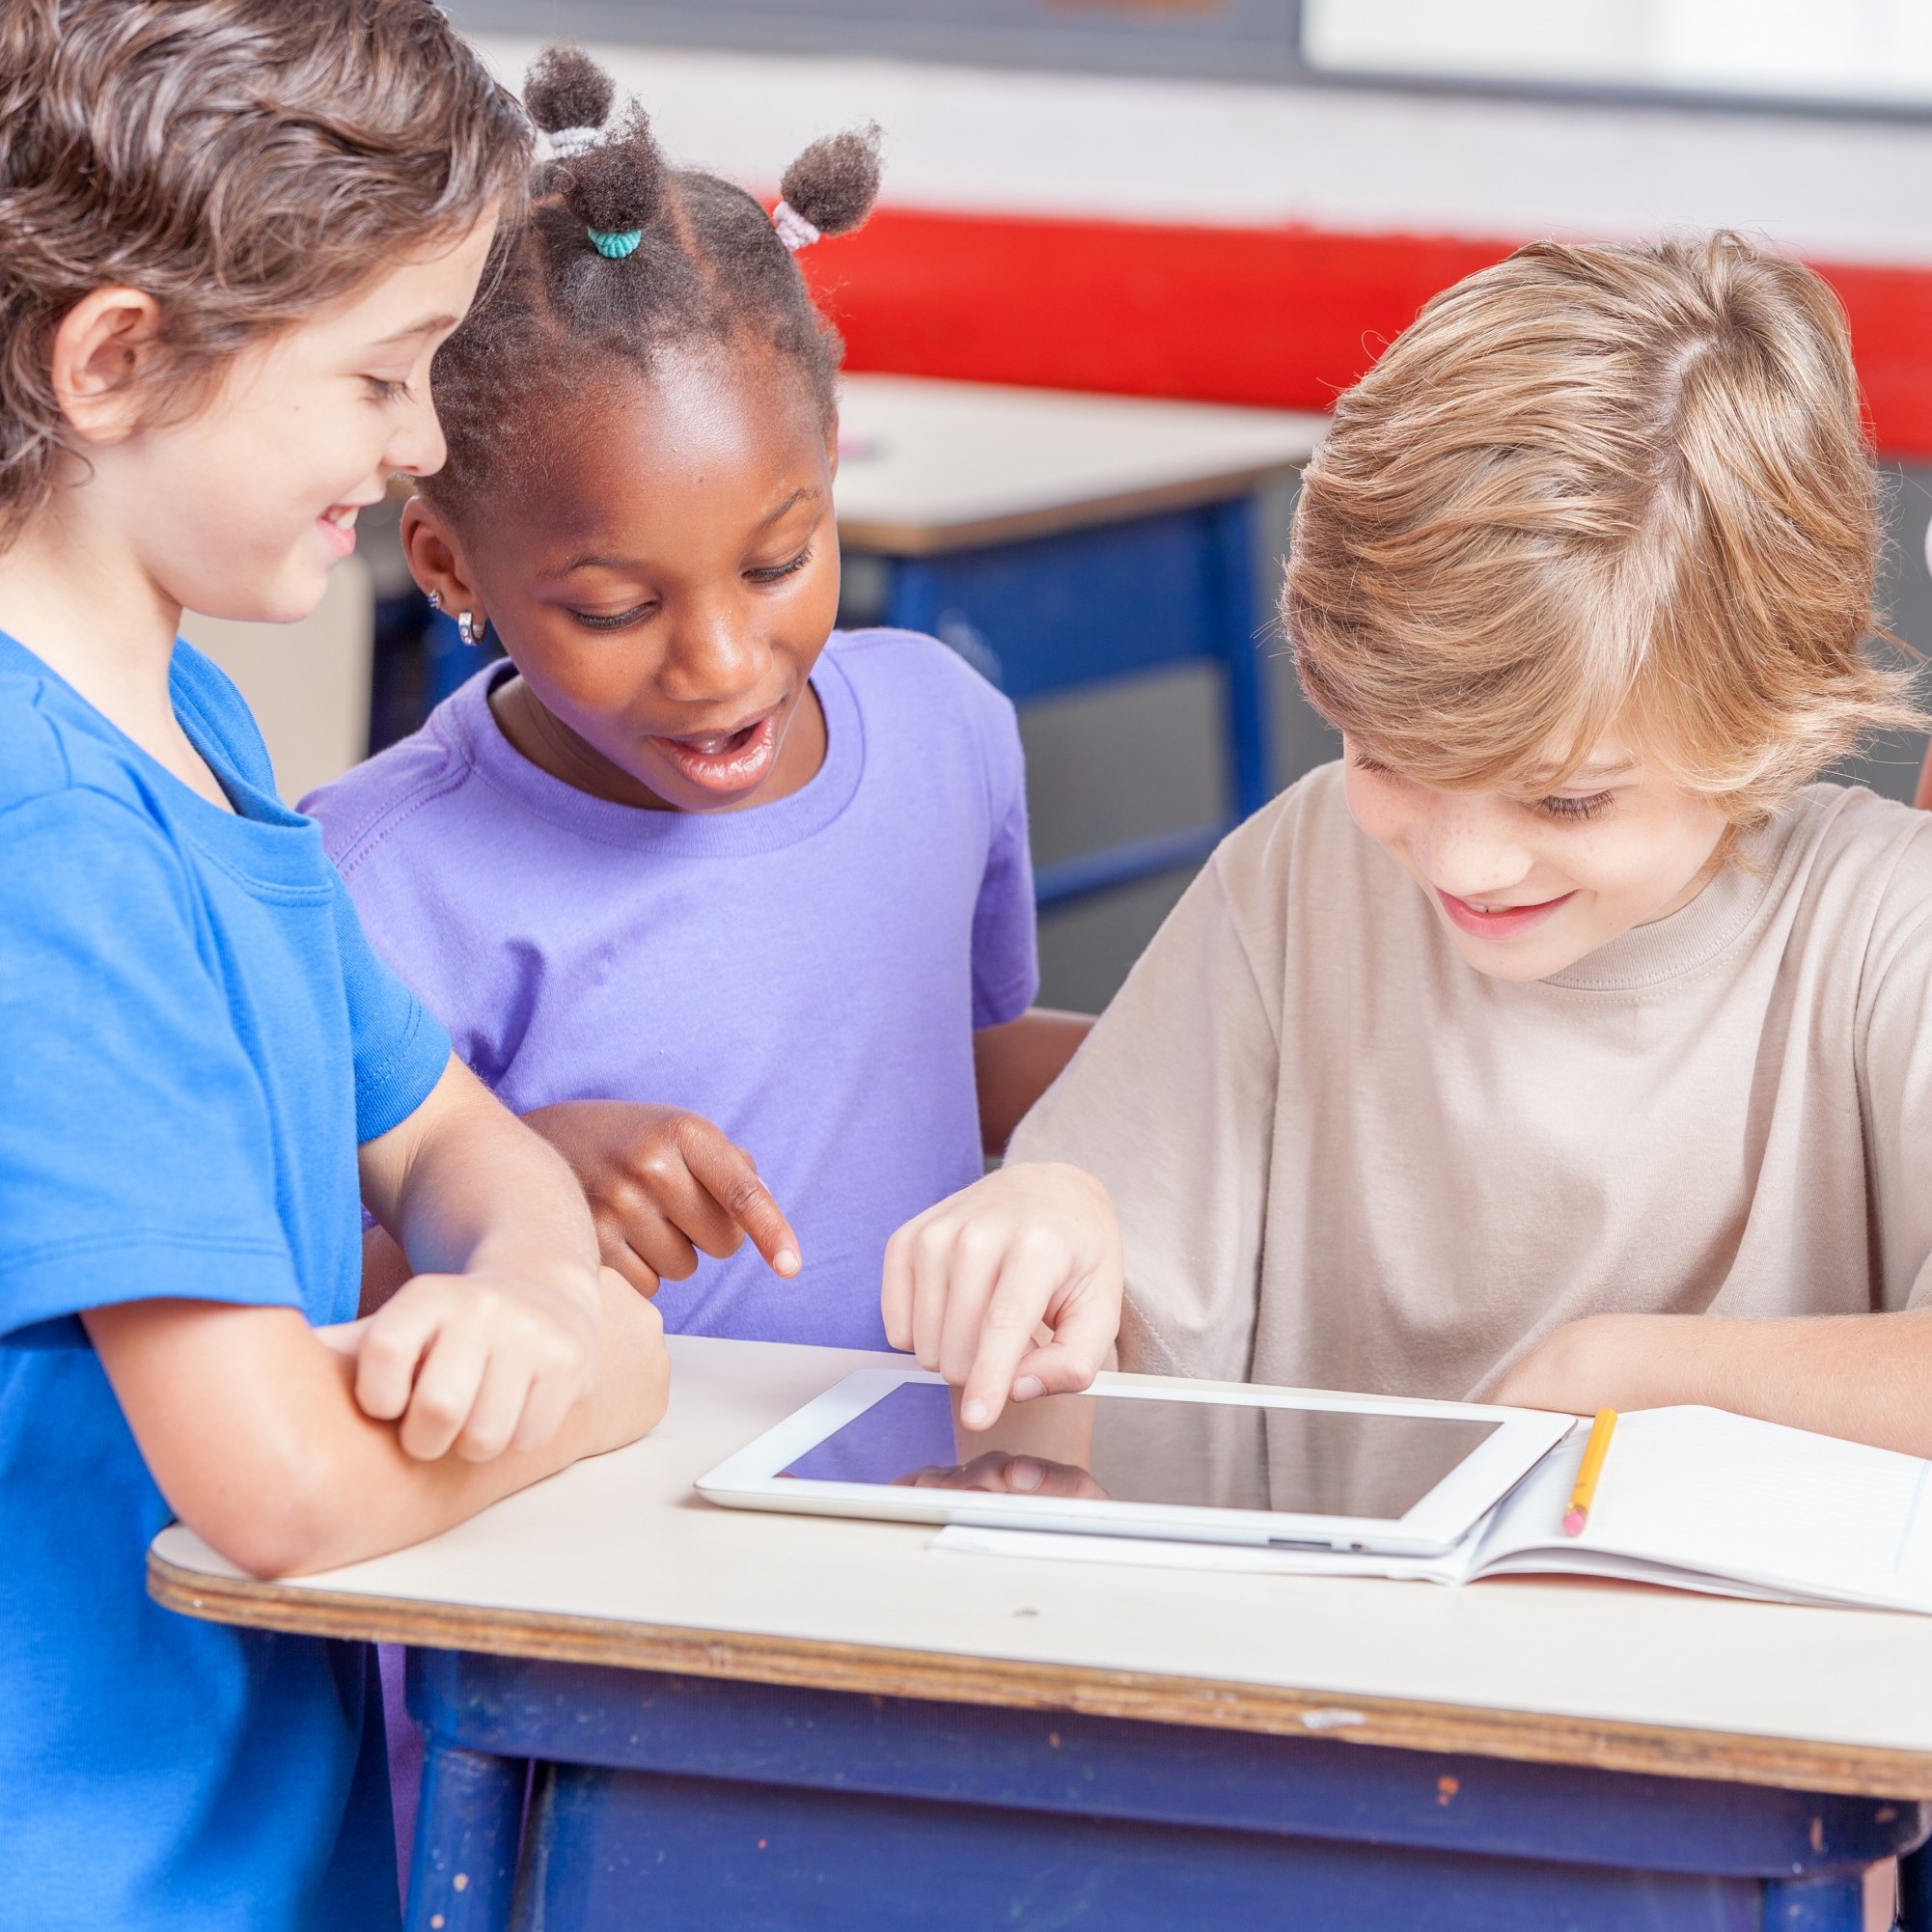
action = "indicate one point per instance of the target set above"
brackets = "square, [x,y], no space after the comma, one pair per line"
[1258,242]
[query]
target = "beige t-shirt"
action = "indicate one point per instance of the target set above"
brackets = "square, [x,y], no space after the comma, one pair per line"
[1343,1158]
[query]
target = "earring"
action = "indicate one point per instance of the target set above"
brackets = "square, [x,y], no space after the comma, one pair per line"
[435,600]
[470,630]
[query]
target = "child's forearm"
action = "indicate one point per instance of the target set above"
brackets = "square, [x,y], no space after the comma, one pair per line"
[1015,1063]
[463,1186]
[1866,1377]
[250,1428]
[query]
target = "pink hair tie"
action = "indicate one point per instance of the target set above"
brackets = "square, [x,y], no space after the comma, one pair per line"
[793,230]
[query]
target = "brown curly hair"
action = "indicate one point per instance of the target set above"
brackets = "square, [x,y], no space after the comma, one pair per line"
[703,263]
[244,162]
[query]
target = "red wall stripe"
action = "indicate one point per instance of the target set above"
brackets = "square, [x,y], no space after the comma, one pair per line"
[1284,317]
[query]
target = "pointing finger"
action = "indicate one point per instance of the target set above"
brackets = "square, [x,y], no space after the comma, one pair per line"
[1005,1338]
[731,1176]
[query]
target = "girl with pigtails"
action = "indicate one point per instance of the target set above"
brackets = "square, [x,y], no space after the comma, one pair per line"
[733,908]
[692,872]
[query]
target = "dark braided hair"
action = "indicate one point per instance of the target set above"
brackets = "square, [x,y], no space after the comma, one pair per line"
[624,257]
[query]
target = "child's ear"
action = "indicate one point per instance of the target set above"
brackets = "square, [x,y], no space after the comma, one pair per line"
[100,350]
[436,561]
[832,463]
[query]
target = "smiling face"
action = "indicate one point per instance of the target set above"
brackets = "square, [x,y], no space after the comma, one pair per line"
[1527,881]
[663,572]
[242,510]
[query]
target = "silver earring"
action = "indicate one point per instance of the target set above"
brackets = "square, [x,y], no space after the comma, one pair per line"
[435,601]
[469,630]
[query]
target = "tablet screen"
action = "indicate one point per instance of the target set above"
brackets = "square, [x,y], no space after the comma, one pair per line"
[1220,1455]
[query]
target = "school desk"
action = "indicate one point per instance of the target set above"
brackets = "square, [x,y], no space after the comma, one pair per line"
[1060,541]
[741,1721]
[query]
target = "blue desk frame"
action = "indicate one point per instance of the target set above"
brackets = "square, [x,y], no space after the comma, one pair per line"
[562,1795]
[1080,608]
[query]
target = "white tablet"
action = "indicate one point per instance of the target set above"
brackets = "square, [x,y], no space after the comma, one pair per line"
[1215,1462]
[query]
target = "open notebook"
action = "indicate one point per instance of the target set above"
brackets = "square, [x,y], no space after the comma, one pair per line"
[1694,1497]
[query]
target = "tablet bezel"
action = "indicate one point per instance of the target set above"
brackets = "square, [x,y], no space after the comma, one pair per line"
[751,1479]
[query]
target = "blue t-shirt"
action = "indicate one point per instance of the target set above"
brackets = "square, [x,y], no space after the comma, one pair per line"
[808,974]
[196,1037]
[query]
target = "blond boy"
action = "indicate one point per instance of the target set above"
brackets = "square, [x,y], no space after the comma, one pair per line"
[1567,1011]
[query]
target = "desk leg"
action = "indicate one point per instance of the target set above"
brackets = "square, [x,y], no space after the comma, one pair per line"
[1230,569]
[468,1825]
[1915,1890]
[1814,1905]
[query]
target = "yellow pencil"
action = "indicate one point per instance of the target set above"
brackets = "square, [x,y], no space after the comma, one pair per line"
[1594,1451]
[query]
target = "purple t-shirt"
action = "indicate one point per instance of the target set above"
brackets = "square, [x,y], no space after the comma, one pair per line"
[807,974]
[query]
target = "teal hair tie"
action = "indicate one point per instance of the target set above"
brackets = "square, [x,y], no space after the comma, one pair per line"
[615,243]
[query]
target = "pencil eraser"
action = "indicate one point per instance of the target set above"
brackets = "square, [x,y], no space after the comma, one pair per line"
[1573,1523]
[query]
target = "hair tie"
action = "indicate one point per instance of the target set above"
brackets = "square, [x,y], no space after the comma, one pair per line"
[568,143]
[793,230]
[615,243]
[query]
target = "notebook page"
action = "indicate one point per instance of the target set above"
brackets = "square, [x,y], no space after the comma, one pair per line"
[1698,1490]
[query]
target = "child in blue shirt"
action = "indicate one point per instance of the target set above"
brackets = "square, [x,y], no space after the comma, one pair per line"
[231,239]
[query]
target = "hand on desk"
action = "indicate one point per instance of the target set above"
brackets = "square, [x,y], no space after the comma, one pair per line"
[969,1284]
[472,1364]
[622,1398]
[619,1397]
[254,1435]
[663,1185]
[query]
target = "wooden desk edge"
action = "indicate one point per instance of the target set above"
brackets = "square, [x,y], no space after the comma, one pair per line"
[947,1677]
[890,537]
[893,539]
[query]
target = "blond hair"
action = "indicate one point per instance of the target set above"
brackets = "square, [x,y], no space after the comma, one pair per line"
[1597,488]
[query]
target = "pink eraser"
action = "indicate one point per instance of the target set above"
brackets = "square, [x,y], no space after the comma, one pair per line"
[1573,1523]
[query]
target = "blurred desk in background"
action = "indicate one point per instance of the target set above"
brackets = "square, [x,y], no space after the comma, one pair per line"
[1061,541]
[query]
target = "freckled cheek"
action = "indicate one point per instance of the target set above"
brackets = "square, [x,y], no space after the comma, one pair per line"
[1378,809]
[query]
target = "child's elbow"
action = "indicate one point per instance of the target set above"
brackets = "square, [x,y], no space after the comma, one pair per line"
[282,1529]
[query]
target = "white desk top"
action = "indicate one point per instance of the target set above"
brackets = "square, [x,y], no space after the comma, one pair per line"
[927,465]
[617,1561]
